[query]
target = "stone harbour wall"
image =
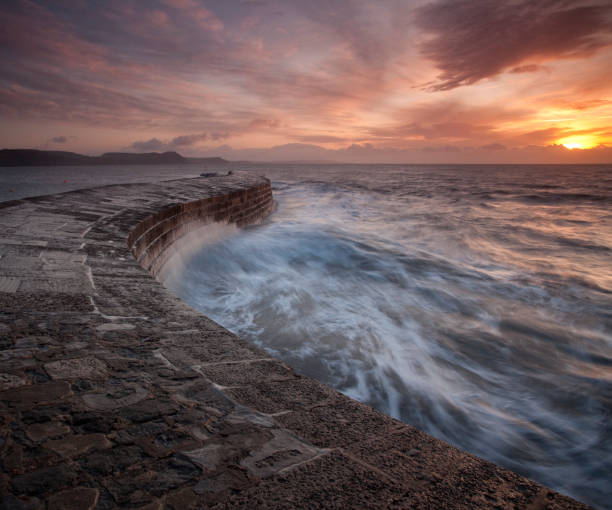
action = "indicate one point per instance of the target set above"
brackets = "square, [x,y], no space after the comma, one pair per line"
[152,237]
[116,394]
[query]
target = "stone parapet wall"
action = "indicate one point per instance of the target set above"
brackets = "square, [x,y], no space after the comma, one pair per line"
[151,238]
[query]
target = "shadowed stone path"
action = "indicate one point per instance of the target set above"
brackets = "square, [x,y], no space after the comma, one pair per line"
[115,394]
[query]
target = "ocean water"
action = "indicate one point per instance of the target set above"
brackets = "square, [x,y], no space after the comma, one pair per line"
[473,302]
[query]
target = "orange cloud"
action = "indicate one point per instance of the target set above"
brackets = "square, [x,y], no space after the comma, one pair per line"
[187,75]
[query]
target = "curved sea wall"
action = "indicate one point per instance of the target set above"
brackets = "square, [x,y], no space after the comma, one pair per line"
[151,239]
[114,393]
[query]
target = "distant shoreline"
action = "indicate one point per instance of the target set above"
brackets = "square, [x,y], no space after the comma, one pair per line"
[34,157]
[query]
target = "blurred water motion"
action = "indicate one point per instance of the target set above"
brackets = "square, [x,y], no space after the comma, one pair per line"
[472,302]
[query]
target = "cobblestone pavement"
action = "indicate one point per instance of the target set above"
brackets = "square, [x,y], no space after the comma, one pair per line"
[114,393]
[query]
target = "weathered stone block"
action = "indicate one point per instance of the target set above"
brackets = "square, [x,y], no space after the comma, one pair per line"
[108,401]
[79,498]
[241,373]
[77,368]
[37,393]
[8,381]
[41,431]
[74,446]
[147,410]
[281,452]
[46,480]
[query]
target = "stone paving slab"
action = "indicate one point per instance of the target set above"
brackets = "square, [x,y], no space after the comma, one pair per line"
[115,394]
[9,284]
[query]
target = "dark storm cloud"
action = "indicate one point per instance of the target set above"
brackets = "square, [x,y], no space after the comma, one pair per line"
[471,40]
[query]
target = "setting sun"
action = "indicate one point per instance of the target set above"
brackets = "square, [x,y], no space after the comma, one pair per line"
[573,145]
[578,142]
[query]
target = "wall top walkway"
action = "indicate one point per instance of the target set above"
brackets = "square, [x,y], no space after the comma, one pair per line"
[114,393]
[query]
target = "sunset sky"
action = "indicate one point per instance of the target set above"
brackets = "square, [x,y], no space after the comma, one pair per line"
[360,81]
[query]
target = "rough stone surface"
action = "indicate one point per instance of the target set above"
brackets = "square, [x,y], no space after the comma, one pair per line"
[40,431]
[80,498]
[76,368]
[36,393]
[8,381]
[72,446]
[115,394]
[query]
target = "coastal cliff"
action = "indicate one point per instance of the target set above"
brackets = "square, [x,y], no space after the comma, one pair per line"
[33,157]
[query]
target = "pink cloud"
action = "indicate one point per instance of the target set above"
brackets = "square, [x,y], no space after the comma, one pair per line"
[158,18]
[187,73]
[196,11]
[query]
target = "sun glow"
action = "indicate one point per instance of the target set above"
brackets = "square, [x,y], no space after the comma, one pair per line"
[578,142]
[573,145]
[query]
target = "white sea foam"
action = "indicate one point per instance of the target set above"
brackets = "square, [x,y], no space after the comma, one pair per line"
[183,249]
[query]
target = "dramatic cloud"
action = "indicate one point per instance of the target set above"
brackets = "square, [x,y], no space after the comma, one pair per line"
[472,40]
[385,80]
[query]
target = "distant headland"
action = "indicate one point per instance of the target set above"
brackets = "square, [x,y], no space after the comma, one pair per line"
[33,157]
